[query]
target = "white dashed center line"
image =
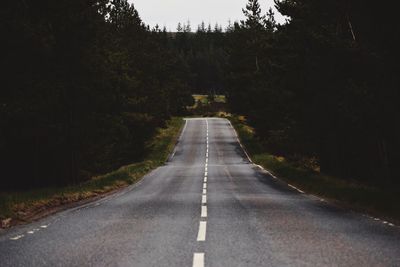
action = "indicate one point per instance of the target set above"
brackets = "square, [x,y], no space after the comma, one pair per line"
[198,260]
[204,199]
[203,211]
[201,236]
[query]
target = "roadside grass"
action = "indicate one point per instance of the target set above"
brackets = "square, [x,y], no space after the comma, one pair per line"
[25,206]
[205,100]
[220,98]
[376,201]
[203,107]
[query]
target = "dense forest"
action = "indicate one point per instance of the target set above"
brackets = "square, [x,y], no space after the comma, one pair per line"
[86,83]
[324,85]
[84,86]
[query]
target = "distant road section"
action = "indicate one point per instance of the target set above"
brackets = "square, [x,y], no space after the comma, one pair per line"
[208,206]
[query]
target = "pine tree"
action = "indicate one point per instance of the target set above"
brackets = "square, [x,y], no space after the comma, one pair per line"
[209,28]
[269,21]
[254,19]
[179,28]
[188,27]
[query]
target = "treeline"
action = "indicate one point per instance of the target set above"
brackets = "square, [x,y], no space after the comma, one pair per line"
[203,54]
[84,85]
[324,85]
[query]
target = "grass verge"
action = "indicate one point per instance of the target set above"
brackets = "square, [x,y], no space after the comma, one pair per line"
[30,205]
[350,194]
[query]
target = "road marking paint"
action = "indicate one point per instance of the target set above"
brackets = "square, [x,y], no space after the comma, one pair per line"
[207,154]
[390,224]
[198,260]
[204,185]
[180,137]
[203,211]
[205,179]
[295,188]
[237,137]
[203,199]
[206,160]
[44,226]
[17,237]
[205,174]
[206,169]
[204,191]
[30,232]
[201,236]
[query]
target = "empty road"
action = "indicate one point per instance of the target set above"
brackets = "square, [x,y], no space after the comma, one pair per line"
[207,206]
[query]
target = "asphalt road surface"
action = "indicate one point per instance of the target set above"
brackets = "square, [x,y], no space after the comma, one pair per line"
[208,206]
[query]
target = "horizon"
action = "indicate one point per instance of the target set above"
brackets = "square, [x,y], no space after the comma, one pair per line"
[169,14]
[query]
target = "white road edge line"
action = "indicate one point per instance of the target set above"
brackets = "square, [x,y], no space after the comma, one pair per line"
[201,236]
[276,178]
[17,237]
[204,191]
[295,188]
[180,137]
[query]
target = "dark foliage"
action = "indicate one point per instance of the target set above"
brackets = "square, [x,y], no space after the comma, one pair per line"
[84,86]
[323,85]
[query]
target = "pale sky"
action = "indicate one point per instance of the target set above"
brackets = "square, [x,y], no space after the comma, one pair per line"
[169,12]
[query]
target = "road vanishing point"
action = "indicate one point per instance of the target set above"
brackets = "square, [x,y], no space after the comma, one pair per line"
[209,205]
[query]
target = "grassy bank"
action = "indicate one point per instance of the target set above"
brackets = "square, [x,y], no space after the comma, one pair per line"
[26,206]
[373,200]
